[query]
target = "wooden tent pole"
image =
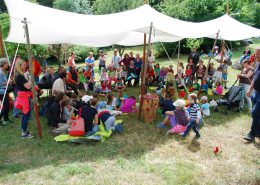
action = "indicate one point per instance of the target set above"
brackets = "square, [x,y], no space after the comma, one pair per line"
[222,52]
[142,81]
[35,100]
[207,67]
[144,68]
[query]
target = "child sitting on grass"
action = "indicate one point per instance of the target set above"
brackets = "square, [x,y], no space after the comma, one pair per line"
[194,117]
[204,106]
[204,87]
[166,104]
[218,88]
[111,101]
[195,86]
[178,118]
[128,105]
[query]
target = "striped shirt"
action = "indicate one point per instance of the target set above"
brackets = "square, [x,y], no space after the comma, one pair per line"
[194,112]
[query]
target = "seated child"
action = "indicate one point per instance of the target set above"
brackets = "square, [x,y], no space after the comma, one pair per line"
[170,89]
[157,72]
[111,101]
[218,88]
[120,86]
[150,75]
[128,105]
[217,75]
[68,109]
[120,98]
[188,75]
[204,106]
[162,74]
[200,70]
[166,104]
[90,114]
[111,74]
[204,87]
[105,116]
[177,118]
[195,86]
[171,69]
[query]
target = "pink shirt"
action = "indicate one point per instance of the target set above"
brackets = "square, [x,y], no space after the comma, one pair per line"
[219,89]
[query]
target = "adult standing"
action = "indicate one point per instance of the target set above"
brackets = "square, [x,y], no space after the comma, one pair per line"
[24,95]
[126,61]
[102,61]
[71,61]
[194,56]
[115,59]
[138,67]
[255,128]
[245,79]
[90,62]
[151,59]
[3,84]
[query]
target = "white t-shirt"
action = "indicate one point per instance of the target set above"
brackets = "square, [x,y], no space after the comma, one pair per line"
[115,61]
[217,76]
[58,86]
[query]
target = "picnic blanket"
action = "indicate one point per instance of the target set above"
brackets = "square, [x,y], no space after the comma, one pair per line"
[102,135]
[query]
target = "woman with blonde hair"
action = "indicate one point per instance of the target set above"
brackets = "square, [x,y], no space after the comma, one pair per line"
[22,101]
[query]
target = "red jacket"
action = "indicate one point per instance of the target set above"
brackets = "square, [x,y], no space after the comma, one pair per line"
[36,68]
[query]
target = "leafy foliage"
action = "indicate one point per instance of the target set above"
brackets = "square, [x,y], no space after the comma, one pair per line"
[78,6]
[193,43]
[114,6]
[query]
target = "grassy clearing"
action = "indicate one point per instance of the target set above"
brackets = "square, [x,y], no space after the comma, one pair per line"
[142,155]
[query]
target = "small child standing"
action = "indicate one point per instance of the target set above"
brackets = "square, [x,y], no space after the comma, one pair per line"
[204,106]
[194,117]
[181,69]
[188,75]
[162,74]
[157,72]
[224,67]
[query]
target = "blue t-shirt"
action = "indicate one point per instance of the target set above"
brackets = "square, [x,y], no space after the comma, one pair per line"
[138,64]
[167,105]
[3,79]
[89,60]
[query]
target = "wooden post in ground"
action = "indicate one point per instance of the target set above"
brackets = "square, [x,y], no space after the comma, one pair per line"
[144,68]
[35,99]
[222,52]
[142,81]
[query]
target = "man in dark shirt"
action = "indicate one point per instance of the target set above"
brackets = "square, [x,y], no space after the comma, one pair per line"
[255,128]
[194,56]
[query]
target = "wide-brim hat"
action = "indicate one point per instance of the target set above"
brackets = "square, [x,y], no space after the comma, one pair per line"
[179,103]
[86,98]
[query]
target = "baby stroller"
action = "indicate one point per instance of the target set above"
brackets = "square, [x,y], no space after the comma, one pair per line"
[232,98]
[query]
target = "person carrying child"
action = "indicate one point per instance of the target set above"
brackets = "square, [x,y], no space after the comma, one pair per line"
[194,117]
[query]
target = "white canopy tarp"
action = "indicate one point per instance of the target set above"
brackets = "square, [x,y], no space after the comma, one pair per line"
[52,26]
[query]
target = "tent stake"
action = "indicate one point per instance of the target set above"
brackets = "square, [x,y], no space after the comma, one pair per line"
[144,68]
[35,99]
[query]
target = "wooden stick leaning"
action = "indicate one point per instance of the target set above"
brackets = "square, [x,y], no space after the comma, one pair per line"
[35,100]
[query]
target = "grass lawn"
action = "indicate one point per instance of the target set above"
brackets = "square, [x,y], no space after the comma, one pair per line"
[143,154]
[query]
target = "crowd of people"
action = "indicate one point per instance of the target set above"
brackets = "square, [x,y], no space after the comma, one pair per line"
[100,97]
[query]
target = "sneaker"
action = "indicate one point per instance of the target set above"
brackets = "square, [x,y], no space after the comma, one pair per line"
[249,138]
[161,125]
[182,134]
[7,122]
[197,136]
[27,135]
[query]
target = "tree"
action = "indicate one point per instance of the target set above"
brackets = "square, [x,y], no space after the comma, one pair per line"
[77,6]
[114,6]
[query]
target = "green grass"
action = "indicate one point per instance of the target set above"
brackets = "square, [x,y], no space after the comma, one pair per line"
[142,155]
